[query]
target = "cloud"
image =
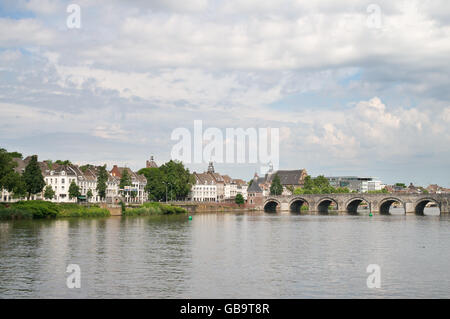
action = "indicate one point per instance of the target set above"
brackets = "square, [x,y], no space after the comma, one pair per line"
[344,95]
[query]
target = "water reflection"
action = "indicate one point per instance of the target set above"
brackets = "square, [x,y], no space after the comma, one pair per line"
[254,255]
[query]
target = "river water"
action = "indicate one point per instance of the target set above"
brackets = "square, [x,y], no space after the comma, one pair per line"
[251,255]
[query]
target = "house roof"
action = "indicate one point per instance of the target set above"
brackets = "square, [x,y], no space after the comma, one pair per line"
[287,177]
[254,187]
[204,178]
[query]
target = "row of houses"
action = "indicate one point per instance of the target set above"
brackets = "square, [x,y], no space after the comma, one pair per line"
[412,189]
[60,176]
[211,186]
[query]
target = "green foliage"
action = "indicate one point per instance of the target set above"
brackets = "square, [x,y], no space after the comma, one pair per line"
[319,185]
[148,209]
[172,177]
[125,180]
[60,162]
[102,179]
[383,191]
[14,213]
[84,168]
[276,188]
[74,190]
[49,193]
[8,177]
[89,193]
[33,177]
[75,210]
[400,185]
[155,183]
[239,199]
[49,164]
[178,179]
[38,208]
[44,209]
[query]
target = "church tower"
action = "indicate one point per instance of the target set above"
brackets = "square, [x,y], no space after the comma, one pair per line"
[211,167]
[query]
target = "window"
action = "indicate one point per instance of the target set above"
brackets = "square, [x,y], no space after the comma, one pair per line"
[62,180]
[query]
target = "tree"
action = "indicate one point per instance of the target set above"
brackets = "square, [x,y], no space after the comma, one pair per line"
[239,199]
[155,183]
[102,179]
[321,182]
[33,177]
[49,193]
[178,179]
[402,185]
[172,179]
[60,162]
[308,183]
[89,194]
[125,180]
[8,177]
[276,188]
[74,190]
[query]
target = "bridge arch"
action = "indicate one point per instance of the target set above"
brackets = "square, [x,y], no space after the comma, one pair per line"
[271,205]
[324,203]
[386,204]
[419,206]
[351,206]
[296,204]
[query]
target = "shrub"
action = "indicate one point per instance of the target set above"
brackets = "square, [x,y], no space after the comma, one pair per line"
[38,208]
[74,210]
[154,209]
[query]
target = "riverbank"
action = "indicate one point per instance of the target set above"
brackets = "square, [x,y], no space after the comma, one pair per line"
[43,209]
[148,209]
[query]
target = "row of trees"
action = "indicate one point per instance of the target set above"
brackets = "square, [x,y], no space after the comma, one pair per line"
[171,181]
[29,183]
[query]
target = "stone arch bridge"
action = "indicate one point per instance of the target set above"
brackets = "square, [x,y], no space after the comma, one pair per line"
[348,203]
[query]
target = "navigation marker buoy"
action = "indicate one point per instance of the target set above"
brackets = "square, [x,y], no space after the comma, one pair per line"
[190,217]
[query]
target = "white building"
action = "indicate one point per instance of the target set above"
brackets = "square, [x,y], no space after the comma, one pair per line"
[204,189]
[373,185]
[213,187]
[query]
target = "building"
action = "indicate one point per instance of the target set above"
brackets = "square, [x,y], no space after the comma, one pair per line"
[204,189]
[436,189]
[135,193]
[255,192]
[151,163]
[211,186]
[355,183]
[60,176]
[289,179]
[241,188]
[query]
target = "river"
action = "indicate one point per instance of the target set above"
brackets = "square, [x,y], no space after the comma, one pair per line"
[249,255]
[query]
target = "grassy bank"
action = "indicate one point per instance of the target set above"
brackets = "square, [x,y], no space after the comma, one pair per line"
[44,209]
[148,209]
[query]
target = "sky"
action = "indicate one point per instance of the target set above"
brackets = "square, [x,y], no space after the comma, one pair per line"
[354,87]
